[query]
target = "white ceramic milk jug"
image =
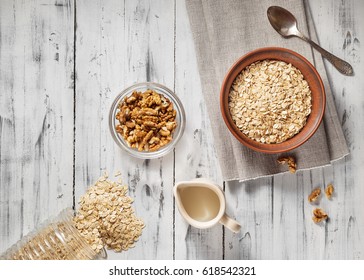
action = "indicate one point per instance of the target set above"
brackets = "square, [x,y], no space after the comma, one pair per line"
[202,203]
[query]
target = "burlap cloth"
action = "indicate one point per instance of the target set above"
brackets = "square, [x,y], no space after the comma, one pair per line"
[223,31]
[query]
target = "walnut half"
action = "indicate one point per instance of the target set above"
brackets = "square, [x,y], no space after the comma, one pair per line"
[319,215]
[314,195]
[329,191]
[290,161]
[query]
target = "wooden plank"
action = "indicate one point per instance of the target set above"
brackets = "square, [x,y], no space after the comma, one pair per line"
[340,27]
[290,232]
[36,114]
[118,45]
[195,154]
[251,205]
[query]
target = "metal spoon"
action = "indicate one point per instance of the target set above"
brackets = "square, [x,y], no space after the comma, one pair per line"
[286,25]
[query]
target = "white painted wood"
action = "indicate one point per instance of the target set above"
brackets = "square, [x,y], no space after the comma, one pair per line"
[341,32]
[119,43]
[36,114]
[276,215]
[195,154]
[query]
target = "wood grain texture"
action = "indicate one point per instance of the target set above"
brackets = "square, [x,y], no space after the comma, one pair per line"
[341,33]
[55,140]
[275,213]
[36,114]
[195,154]
[119,44]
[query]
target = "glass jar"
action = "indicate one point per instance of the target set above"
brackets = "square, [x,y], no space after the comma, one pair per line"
[57,239]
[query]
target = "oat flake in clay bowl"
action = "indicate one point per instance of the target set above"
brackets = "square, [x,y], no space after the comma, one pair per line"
[272,100]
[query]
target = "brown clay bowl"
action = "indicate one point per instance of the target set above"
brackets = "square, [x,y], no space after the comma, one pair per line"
[318,98]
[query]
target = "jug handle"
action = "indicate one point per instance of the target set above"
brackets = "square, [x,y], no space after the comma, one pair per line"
[230,223]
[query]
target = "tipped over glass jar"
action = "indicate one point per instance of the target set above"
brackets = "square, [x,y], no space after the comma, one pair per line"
[57,239]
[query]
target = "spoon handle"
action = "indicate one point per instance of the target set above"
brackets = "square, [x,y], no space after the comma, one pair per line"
[341,65]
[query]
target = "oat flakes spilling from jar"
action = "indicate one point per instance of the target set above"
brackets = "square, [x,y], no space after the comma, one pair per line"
[57,240]
[147,120]
[106,218]
[270,101]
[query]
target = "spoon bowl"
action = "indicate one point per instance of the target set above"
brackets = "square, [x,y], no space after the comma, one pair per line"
[283,21]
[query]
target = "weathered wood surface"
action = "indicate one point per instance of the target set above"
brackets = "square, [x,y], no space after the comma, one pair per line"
[275,213]
[61,65]
[36,114]
[117,45]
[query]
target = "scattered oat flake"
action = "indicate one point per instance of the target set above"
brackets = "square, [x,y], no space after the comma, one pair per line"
[314,195]
[329,191]
[319,215]
[290,161]
[106,218]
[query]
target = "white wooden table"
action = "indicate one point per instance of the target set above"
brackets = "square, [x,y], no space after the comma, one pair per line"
[62,63]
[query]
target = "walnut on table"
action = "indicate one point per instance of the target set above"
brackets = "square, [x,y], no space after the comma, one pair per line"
[319,215]
[329,191]
[314,195]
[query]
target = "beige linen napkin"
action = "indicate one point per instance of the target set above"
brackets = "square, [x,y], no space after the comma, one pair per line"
[223,31]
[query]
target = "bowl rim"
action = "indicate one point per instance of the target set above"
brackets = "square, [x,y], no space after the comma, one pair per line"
[296,140]
[179,109]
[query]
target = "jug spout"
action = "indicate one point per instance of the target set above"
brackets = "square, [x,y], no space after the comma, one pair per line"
[178,188]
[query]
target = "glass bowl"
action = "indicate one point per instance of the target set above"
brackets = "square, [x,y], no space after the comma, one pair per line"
[180,119]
